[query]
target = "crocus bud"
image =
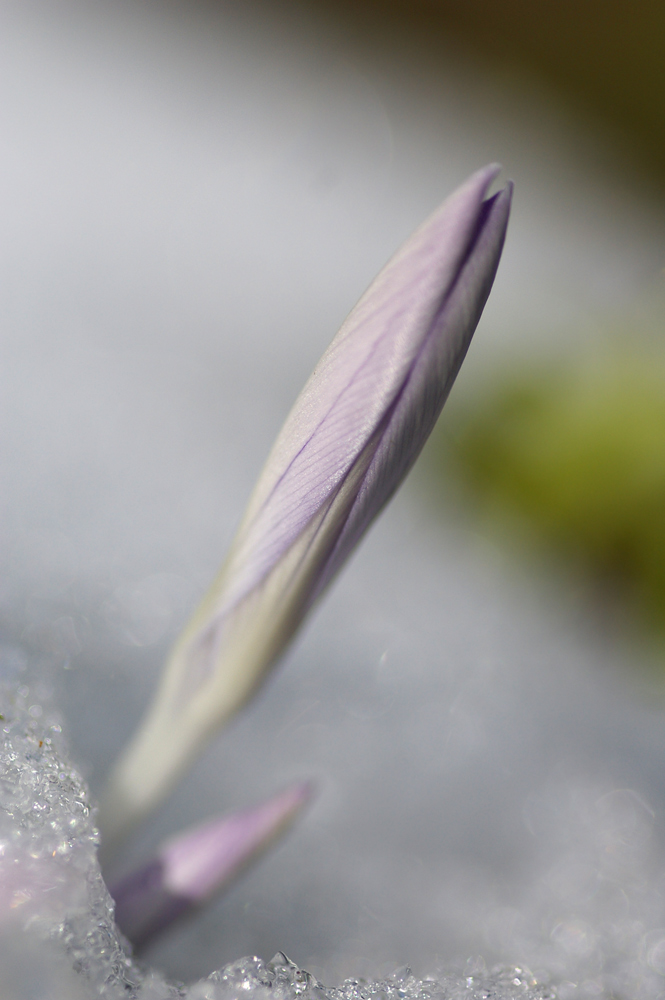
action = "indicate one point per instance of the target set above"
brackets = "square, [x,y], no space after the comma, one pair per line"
[353,434]
[192,867]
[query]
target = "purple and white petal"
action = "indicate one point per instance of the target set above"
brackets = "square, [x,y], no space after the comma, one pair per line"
[351,437]
[195,865]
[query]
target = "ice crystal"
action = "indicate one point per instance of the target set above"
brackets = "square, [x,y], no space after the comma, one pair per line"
[594,922]
[57,934]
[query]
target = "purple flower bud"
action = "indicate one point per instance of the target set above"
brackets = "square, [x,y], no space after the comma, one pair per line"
[193,866]
[353,434]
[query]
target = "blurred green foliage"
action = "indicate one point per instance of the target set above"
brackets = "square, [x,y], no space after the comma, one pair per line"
[573,458]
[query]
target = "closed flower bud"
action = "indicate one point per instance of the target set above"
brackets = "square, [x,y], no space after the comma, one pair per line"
[350,439]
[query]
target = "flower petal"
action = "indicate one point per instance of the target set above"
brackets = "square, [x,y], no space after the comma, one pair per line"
[196,865]
[351,437]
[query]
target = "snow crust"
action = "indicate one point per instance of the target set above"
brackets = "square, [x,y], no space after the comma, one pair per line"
[57,934]
[594,922]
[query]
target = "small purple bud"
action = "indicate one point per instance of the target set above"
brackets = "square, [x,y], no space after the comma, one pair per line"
[195,865]
[352,436]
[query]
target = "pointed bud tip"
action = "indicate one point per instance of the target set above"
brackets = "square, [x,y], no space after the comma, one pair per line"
[507,191]
[200,861]
[487,175]
[195,865]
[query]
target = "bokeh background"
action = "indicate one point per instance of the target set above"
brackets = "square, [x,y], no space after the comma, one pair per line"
[193,197]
